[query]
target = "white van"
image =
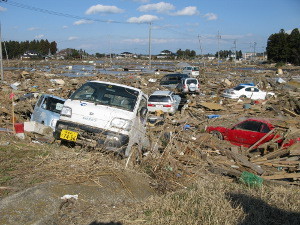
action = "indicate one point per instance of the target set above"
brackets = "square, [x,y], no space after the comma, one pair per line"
[105,115]
[191,70]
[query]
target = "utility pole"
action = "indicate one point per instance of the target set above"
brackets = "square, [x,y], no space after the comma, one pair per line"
[1,58]
[234,52]
[150,45]
[219,37]
[201,55]
[254,53]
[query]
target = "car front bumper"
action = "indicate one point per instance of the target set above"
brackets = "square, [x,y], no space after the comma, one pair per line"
[93,136]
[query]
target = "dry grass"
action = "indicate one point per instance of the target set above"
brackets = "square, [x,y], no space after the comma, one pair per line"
[194,197]
[218,201]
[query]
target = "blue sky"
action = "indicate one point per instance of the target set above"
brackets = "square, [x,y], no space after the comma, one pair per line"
[123,25]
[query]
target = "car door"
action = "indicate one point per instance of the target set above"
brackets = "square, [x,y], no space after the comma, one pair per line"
[37,114]
[249,92]
[246,133]
[258,94]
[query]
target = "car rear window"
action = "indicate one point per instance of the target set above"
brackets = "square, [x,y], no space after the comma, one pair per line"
[159,98]
[191,81]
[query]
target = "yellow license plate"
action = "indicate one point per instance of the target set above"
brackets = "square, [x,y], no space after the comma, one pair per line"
[68,135]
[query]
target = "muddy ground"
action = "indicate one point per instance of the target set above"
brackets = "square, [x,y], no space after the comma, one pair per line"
[37,171]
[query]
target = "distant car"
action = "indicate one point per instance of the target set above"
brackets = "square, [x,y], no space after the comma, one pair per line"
[172,80]
[188,86]
[191,70]
[47,110]
[165,101]
[249,132]
[247,91]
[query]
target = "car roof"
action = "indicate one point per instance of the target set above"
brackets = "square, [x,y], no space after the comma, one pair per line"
[162,93]
[116,84]
[53,96]
[177,75]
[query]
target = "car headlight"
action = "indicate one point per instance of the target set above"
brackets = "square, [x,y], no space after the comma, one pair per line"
[121,123]
[66,111]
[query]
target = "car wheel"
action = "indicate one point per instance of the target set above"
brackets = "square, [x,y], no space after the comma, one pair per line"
[217,134]
[134,158]
[243,96]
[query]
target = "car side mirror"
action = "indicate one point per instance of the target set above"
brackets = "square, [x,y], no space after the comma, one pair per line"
[143,112]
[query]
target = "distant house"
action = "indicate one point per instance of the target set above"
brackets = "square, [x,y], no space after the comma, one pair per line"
[30,55]
[165,54]
[127,55]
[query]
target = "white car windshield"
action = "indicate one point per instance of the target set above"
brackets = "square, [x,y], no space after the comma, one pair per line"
[107,94]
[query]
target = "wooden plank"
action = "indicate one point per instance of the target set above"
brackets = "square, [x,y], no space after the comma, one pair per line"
[272,155]
[282,176]
[290,112]
[245,162]
[263,138]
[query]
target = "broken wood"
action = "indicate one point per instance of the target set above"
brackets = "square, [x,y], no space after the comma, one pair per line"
[282,176]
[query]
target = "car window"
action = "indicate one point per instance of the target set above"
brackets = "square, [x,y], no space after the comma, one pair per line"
[40,101]
[255,90]
[107,94]
[159,98]
[53,104]
[264,128]
[249,125]
[248,89]
[191,81]
[238,88]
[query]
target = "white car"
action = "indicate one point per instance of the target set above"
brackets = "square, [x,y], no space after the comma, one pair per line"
[105,115]
[247,91]
[188,86]
[165,101]
[191,70]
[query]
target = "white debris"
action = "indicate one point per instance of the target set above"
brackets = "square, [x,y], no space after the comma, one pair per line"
[66,197]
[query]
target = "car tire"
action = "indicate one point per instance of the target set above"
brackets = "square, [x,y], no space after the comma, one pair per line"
[217,134]
[243,96]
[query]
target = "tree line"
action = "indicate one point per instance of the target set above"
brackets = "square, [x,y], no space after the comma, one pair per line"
[15,49]
[284,48]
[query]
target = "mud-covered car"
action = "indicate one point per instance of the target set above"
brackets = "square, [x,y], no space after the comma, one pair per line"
[251,132]
[165,101]
[171,81]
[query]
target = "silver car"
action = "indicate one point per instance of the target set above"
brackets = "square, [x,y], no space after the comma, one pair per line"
[188,86]
[165,101]
[47,110]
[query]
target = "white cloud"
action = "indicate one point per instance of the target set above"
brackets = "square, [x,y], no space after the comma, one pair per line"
[65,27]
[79,22]
[142,1]
[154,40]
[2,9]
[39,36]
[72,38]
[143,19]
[210,16]
[161,7]
[33,28]
[103,9]
[187,11]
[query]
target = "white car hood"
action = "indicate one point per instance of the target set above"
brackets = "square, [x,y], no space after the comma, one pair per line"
[95,115]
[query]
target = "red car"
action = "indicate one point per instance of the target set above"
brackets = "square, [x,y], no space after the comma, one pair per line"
[248,132]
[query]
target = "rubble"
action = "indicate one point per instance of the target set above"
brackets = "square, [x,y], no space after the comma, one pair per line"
[181,140]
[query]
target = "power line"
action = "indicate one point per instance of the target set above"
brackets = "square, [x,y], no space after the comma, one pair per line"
[32,8]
